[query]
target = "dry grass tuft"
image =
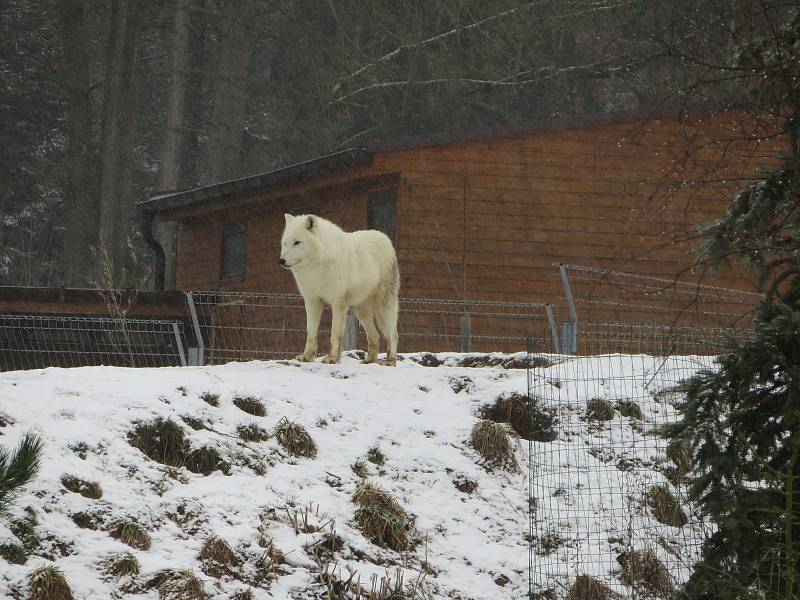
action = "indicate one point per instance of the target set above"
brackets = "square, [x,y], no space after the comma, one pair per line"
[122,565]
[630,409]
[131,534]
[665,507]
[193,422]
[643,569]
[493,442]
[382,520]
[252,432]
[588,588]
[180,585]
[680,457]
[210,398]
[87,520]
[598,409]
[295,439]
[161,440]
[376,456]
[218,557]
[251,405]
[13,554]
[48,583]
[270,562]
[325,549]
[529,421]
[87,489]
[205,461]
[465,484]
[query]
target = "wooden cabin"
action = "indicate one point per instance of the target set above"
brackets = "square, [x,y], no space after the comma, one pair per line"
[487,215]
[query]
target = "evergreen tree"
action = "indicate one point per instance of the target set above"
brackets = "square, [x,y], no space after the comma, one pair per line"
[741,421]
[18,468]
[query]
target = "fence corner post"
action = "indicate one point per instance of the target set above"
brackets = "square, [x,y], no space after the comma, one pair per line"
[198,334]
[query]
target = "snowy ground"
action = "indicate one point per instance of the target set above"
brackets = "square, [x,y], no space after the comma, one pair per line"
[474,544]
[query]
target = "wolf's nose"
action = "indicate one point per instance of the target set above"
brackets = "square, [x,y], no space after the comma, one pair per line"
[282,262]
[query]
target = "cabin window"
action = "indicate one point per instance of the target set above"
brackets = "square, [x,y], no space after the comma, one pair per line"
[382,211]
[234,250]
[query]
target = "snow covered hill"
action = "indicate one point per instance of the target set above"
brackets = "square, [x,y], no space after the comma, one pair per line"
[274,517]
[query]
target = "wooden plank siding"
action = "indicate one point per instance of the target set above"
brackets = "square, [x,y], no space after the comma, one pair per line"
[487,219]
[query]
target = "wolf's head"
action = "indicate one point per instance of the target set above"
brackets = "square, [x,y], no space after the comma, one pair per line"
[300,244]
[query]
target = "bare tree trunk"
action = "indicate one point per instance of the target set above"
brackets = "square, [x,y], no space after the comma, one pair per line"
[173,139]
[190,162]
[79,212]
[231,93]
[116,202]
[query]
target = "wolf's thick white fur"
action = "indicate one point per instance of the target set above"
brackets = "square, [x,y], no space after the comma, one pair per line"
[343,269]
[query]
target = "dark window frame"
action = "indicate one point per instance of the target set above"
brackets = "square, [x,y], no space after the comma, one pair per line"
[377,201]
[228,231]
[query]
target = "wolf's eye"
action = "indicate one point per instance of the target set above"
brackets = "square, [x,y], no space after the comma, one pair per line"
[297,242]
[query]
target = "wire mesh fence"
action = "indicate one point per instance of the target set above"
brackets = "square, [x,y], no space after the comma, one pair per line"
[35,342]
[597,294]
[607,493]
[248,326]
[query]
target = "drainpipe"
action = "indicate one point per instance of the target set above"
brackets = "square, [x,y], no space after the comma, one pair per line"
[148,215]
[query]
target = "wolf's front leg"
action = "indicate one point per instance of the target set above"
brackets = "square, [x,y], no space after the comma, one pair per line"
[313,313]
[338,319]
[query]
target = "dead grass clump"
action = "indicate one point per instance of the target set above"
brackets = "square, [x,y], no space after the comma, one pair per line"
[382,520]
[376,456]
[630,409]
[210,398]
[251,405]
[428,360]
[48,583]
[461,384]
[598,409]
[679,455]
[643,569]
[193,422]
[205,461]
[588,588]
[122,565]
[161,440]
[13,553]
[270,562]
[324,549]
[548,543]
[665,506]
[132,534]
[252,432]
[87,520]
[87,489]
[465,484]
[295,439]
[528,420]
[180,585]
[218,558]
[360,469]
[493,442]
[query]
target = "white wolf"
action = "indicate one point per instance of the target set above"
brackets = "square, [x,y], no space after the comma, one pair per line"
[343,269]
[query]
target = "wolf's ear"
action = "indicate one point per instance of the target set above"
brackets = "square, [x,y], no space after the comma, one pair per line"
[310,222]
[288,217]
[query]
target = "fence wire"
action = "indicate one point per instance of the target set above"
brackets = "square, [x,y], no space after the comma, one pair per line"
[607,493]
[36,342]
[622,297]
[250,326]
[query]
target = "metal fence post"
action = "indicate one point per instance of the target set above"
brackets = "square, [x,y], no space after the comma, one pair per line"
[572,346]
[179,343]
[466,332]
[351,331]
[196,326]
[553,328]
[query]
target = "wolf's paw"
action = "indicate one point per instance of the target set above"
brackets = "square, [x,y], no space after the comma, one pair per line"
[305,357]
[369,360]
[330,360]
[388,362]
